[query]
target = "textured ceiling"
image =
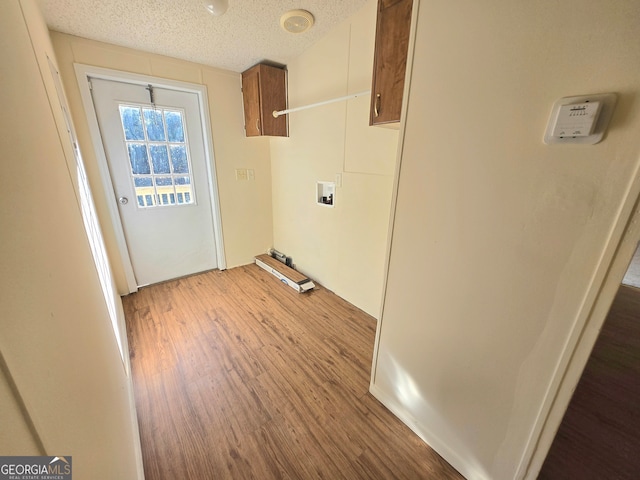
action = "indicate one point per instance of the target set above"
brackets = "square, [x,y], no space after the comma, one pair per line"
[248,33]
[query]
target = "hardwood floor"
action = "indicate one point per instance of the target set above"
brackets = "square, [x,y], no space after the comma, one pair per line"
[599,437]
[238,376]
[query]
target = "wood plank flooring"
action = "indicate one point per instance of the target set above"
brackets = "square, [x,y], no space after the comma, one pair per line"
[599,437]
[238,376]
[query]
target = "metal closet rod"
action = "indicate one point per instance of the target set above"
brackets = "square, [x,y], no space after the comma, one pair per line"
[276,114]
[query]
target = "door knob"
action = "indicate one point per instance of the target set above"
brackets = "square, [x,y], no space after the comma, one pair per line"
[123,200]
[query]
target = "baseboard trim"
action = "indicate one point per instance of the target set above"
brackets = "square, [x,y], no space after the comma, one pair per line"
[466,468]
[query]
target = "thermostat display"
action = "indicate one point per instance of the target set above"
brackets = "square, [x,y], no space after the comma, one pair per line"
[582,119]
[576,120]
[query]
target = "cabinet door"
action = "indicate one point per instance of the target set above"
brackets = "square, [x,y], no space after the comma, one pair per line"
[273,97]
[251,101]
[390,60]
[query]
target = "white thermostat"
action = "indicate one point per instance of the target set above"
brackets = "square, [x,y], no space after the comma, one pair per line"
[581,119]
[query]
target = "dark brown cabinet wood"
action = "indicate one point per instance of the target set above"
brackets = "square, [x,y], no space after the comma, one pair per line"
[264,89]
[390,60]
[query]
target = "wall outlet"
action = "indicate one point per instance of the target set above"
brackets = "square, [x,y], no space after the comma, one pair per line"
[241,174]
[251,174]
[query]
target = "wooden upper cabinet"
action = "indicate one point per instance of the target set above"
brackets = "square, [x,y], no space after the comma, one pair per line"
[264,89]
[390,60]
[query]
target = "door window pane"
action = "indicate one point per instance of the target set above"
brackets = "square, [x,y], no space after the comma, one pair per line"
[175,130]
[183,189]
[164,187]
[159,155]
[160,158]
[144,189]
[153,123]
[138,158]
[179,159]
[143,182]
[131,122]
[163,181]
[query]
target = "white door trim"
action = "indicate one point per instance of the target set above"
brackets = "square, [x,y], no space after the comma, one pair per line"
[83,73]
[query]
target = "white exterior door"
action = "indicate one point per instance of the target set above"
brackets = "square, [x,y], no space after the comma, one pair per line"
[157,162]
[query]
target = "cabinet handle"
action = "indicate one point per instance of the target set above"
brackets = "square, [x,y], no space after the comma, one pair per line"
[258,125]
[376,105]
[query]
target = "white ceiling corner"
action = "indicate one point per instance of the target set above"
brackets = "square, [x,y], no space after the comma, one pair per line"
[248,33]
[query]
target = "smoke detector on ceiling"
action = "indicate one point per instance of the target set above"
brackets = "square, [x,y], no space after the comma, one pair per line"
[216,7]
[296,21]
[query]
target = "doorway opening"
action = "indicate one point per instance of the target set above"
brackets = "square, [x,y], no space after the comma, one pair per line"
[599,435]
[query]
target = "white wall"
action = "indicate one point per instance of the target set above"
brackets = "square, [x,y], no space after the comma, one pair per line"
[61,367]
[245,205]
[498,237]
[343,247]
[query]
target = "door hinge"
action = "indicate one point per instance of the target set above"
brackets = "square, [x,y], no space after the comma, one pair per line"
[90,84]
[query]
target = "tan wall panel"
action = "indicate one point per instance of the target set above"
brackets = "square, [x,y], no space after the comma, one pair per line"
[343,247]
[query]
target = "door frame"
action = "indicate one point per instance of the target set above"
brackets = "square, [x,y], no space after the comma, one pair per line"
[623,241]
[83,74]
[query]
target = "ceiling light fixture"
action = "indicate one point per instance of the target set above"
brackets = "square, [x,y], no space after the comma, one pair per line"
[296,21]
[216,7]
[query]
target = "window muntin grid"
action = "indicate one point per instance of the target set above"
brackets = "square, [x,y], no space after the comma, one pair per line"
[158,153]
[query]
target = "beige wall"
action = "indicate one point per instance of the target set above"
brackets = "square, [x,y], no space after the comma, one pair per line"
[497,236]
[343,248]
[17,438]
[60,357]
[245,205]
